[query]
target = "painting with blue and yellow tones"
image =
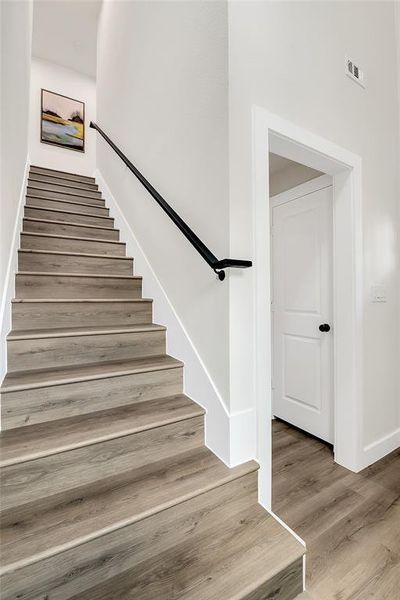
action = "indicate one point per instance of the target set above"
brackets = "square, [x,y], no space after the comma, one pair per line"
[62,121]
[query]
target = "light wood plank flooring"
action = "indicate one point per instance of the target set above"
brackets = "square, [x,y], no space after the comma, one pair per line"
[350,522]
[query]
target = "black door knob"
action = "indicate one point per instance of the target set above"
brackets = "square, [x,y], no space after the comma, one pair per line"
[324,327]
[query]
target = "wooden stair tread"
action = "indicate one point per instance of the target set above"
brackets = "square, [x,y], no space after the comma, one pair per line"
[114,503]
[37,169]
[35,441]
[76,201]
[63,274]
[37,178]
[78,331]
[69,192]
[227,562]
[75,224]
[47,377]
[71,237]
[68,212]
[62,253]
[97,202]
[55,300]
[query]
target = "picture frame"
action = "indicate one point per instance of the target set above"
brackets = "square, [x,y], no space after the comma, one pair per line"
[62,121]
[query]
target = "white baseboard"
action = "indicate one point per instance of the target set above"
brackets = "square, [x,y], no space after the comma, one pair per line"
[230,437]
[380,448]
[9,284]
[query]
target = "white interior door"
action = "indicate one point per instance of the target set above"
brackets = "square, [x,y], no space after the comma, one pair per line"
[302,377]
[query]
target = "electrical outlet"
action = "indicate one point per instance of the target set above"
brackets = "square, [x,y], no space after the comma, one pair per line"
[378,293]
[353,71]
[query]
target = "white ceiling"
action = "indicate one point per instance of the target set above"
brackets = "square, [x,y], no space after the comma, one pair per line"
[65,32]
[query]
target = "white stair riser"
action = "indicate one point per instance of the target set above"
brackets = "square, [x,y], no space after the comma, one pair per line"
[53,402]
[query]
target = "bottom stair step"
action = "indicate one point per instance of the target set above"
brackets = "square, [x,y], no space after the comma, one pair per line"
[47,525]
[186,528]
[246,556]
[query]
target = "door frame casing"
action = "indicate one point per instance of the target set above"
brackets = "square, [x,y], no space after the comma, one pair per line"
[271,133]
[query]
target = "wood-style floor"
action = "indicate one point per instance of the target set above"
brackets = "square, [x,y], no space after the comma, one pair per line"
[349,521]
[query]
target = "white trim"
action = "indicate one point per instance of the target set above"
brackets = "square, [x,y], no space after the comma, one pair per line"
[12,267]
[242,438]
[271,133]
[299,191]
[220,426]
[380,448]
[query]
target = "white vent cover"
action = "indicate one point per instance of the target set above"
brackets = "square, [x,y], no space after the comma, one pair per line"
[354,72]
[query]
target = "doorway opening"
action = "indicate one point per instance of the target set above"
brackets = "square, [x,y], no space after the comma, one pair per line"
[301,225]
[342,169]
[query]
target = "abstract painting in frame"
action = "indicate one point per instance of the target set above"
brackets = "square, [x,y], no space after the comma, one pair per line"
[62,121]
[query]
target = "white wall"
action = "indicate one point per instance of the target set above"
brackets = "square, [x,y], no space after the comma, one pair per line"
[163,99]
[54,77]
[16,31]
[397,26]
[275,61]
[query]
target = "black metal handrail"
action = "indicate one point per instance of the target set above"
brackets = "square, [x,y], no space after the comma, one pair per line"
[217,265]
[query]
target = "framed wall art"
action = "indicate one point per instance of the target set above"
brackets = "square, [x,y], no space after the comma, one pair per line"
[62,121]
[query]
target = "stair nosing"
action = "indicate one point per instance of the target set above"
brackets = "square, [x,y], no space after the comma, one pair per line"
[92,440]
[65,172]
[76,203]
[283,564]
[70,237]
[63,253]
[68,212]
[78,379]
[235,473]
[66,274]
[54,221]
[55,300]
[76,332]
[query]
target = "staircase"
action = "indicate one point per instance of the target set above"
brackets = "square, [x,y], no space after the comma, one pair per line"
[108,491]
